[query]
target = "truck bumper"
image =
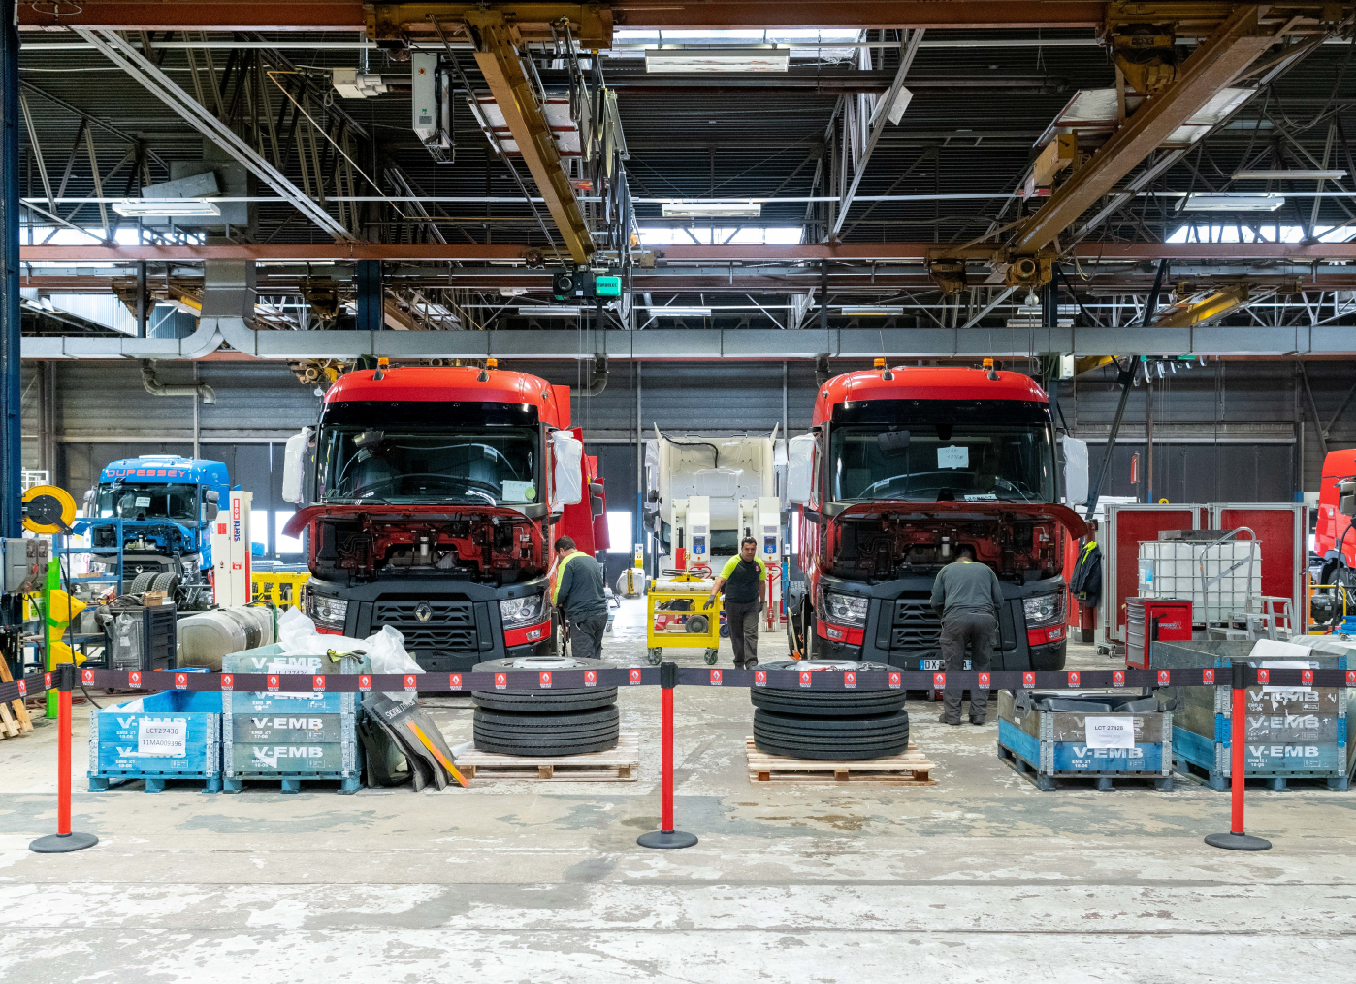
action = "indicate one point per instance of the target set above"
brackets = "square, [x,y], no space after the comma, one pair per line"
[902,629]
[448,628]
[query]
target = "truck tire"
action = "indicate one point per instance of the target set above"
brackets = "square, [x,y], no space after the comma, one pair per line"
[810,703]
[853,739]
[542,735]
[167,582]
[142,583]
[546,700]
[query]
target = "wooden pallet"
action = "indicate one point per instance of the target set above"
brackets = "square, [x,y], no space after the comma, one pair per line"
[14,719]
[908,769]
[620,764]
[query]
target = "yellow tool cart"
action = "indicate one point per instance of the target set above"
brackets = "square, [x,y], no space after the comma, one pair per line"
[284,589]
[675,618]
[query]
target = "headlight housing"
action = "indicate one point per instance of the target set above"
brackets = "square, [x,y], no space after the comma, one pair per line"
[328,613]
[845,609]
[1044,609]
[527,610]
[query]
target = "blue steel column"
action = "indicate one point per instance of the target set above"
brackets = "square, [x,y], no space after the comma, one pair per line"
[371,315]
[10,461]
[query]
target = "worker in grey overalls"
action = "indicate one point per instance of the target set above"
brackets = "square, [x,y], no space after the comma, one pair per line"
[968,598]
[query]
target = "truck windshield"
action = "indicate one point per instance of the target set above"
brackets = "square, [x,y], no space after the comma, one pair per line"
[483,454]
[142,502]
[939,451]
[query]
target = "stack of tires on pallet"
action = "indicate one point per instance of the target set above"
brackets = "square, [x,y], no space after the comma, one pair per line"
[542,723]
[838,725]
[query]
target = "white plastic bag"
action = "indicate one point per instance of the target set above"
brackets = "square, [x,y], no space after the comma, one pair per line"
[386,649]
[569,467]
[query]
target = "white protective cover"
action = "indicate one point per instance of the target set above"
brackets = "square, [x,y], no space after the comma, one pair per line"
[1075,471]
[799,471]
[294,456]
[569,454]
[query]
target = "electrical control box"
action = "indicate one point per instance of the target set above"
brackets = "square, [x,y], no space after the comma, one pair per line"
[431,105]
[25,563]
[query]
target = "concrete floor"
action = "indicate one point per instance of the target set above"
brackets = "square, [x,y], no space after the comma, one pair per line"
[978,878]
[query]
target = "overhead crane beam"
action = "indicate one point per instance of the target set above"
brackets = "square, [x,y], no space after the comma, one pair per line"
[1240,253]
[499,61]
[1234,45]
[352,15]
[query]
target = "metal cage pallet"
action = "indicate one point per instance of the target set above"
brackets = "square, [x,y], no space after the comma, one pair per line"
[1101,780]
[155,782]
[620,764]
[909,768]
[291,782]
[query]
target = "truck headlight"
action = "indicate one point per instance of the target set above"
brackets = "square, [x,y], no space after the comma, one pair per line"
[845,609]
[328,613]
[1044,609]
[527,610]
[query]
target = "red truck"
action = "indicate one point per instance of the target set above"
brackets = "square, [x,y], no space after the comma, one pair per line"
[902,467]
[433,498]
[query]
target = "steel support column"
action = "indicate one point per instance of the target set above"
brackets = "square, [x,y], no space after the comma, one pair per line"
[10,397]
[499,61]
[371,310]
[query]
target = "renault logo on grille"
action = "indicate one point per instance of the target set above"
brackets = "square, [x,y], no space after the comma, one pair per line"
[423,611]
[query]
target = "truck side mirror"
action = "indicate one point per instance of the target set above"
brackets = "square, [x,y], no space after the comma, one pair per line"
[1075,470]
[800,468]
[294,466]
[1346,504]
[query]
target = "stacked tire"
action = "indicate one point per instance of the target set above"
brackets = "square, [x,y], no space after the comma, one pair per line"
[838,725]
[542,723]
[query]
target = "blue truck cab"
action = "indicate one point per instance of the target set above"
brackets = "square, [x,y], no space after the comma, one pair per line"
[150,518]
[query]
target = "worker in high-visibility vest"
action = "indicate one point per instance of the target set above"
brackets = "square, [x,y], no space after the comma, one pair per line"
[581,599]
[743,580]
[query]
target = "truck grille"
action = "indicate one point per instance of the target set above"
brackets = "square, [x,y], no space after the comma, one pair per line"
[916,629]
[450,626]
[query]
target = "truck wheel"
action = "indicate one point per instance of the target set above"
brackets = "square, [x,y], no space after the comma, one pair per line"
[167,582]
[654,656]
[810,643]
[711,655]
[142,583]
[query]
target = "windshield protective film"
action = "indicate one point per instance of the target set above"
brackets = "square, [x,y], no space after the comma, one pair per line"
[941,451]
[470,453]
[145,501]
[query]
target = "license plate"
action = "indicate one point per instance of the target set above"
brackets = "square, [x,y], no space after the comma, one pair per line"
[940,664]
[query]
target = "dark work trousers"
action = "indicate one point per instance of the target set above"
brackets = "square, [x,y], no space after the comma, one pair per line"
[742,621]
[980,631]
[586,636]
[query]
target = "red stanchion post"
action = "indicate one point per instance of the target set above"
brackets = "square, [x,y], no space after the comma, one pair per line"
[666,838]
[63,840]
[1235,839]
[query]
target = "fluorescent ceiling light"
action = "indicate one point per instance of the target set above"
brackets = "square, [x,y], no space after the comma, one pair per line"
[680,312]
[683,59]
[872,309]
[707,210]
[1221,202]
[1036,323]
[1289,175]
[549,311]
[165,206]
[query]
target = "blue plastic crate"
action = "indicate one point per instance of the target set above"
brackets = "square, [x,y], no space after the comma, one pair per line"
[128,741]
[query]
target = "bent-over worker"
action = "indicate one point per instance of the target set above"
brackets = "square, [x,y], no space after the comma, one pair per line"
[742,579]
[579,596]
[968,598]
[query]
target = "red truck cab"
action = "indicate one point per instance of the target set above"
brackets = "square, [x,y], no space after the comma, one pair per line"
[432,500]
[902,467]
